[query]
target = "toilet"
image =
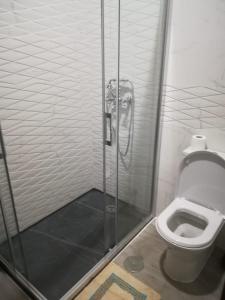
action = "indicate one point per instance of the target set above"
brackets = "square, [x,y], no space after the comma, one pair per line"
[192,221]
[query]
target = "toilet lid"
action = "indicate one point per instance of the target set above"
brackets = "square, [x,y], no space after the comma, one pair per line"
[202,180]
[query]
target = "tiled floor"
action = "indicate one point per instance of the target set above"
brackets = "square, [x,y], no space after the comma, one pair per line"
[149,245]
[62,248]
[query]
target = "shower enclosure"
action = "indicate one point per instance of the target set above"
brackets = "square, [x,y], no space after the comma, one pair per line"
[80,87]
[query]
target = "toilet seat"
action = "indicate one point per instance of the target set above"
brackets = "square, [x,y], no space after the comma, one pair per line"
[214,220]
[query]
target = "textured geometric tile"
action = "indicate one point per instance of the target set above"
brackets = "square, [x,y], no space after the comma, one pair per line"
[204,109]
[217,99]
[45,81]
[179,95]
[201,91]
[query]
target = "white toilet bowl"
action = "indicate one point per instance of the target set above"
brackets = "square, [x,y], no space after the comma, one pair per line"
[191,222]
[190,231]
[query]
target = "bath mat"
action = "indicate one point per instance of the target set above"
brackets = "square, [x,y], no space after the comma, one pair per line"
[114,283]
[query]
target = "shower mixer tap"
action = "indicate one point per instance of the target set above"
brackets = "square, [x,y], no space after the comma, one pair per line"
[125,114]
[125,93]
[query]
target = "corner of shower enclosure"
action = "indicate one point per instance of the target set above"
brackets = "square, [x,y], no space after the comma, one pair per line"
[78,168]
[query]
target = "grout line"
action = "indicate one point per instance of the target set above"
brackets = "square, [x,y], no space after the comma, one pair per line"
[91,207]
[65,242]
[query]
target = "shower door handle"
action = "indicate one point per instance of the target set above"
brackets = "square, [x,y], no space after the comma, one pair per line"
[108,134]
[2,145]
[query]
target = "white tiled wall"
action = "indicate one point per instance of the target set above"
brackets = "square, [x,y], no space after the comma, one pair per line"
[195,85]
[50,89]
[50,77]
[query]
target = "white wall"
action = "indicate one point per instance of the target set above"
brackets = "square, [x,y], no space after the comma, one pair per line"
[195,85]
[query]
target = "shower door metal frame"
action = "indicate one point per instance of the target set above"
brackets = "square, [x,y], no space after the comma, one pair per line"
[5,221]
[117,122]
[4,215]
[23,282]
[113,240]
[158,130]
[10,268]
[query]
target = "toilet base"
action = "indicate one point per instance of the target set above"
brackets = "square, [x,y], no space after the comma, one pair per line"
[184,265]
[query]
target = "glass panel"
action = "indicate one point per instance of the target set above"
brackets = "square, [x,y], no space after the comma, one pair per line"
[111,15]
[5,250]
[51,113]
[141,45]
[10,244]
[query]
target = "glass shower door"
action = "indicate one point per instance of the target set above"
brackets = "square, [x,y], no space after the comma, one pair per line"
[134,47]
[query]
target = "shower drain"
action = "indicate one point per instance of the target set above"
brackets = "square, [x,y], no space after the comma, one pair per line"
[134,264]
